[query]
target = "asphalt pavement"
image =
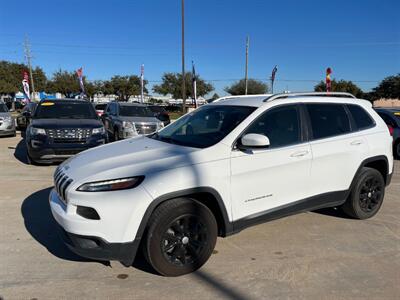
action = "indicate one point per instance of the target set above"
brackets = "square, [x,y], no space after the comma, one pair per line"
[315,255]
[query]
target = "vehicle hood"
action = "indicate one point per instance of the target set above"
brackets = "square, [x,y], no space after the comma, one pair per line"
[140,119]
[66,123]
[132,157]
[4,114]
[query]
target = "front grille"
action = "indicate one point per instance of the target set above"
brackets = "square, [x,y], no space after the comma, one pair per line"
[61,183]
[145,128]
[69,135]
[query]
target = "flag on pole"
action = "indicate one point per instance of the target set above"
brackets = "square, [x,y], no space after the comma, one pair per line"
[273,74]
[79,72]
[194,84]
[328,80]
[141,83]
[25,86]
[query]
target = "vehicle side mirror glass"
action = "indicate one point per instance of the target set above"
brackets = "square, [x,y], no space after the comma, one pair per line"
[254,140]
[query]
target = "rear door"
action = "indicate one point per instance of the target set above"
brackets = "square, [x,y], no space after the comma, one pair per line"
[337,147]
[264,179]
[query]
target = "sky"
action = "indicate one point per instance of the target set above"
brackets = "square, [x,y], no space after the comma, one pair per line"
[358,39]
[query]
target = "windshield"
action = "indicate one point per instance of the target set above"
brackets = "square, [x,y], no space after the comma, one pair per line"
[65,110]
[134,111]
[3,108]
[205,126]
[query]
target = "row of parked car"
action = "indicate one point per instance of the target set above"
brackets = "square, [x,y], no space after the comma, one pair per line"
[58,129]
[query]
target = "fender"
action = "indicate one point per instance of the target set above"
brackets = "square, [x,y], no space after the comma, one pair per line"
[227,230]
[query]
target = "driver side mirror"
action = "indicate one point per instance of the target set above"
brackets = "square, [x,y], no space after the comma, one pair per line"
[253,141]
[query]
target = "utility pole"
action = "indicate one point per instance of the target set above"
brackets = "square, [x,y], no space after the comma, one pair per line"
[247,65]
[183,60]
[28,57]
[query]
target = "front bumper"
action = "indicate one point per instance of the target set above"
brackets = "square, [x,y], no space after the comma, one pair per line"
[97,248]
[113,236]
[43,151]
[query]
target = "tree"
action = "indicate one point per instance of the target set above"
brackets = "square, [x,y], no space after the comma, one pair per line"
[253,87]
[123,86]
[341,86]
[64,82]
[388,88]
[172,85]
[11,75]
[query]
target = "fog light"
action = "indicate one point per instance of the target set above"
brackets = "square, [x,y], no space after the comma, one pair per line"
[87,212]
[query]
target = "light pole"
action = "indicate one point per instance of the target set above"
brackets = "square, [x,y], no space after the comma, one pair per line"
[183,59]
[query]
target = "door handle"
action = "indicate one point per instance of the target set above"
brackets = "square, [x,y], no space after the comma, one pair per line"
[356,143]
[299,154]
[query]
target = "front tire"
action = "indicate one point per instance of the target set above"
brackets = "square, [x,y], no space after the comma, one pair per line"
[181,236]
[366,196]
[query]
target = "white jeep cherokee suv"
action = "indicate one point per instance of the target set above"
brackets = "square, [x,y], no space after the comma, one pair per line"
[226,166]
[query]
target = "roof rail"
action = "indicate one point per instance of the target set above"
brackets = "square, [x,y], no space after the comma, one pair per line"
[241,96]
[310,94]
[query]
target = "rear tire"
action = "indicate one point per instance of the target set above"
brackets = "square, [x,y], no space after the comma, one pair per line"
[366,196]
[181,236]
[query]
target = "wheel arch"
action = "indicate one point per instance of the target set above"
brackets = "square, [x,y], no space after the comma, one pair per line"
[205,195]
[379,163]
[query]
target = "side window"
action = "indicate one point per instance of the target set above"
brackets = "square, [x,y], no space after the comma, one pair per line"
[108,110]
[328,120]
[281,125]
[362,119]
[112,109]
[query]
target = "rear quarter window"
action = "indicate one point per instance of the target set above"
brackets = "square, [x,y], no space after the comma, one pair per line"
[361,118]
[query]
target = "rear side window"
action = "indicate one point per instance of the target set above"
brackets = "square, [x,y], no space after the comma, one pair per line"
[328,120]
[362,119]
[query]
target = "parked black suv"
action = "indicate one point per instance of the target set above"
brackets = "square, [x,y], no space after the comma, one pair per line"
[61,128]
[391,116]
[25,116]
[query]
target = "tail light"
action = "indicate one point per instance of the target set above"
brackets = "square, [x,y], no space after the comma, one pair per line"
[391,130]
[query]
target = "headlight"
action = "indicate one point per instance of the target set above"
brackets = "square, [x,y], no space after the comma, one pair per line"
[99,130]
[128,124]
[111,185]
[7,119]
[37,131]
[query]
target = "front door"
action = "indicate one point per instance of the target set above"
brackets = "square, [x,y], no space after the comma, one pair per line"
[267,179]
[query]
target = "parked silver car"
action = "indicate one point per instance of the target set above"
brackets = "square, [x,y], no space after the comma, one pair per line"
[7,123]
[124,120]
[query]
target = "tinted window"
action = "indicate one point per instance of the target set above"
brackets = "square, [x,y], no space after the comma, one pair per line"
[134,111]
[3,108]
[205,126]
[281,125]
[360,117]
[65,110]
[328,120]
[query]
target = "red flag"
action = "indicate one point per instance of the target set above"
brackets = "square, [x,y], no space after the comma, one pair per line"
[328,79]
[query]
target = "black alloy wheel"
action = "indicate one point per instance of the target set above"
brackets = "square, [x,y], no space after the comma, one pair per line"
[370,194]
[184,240]
[366,196]
[180,237]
